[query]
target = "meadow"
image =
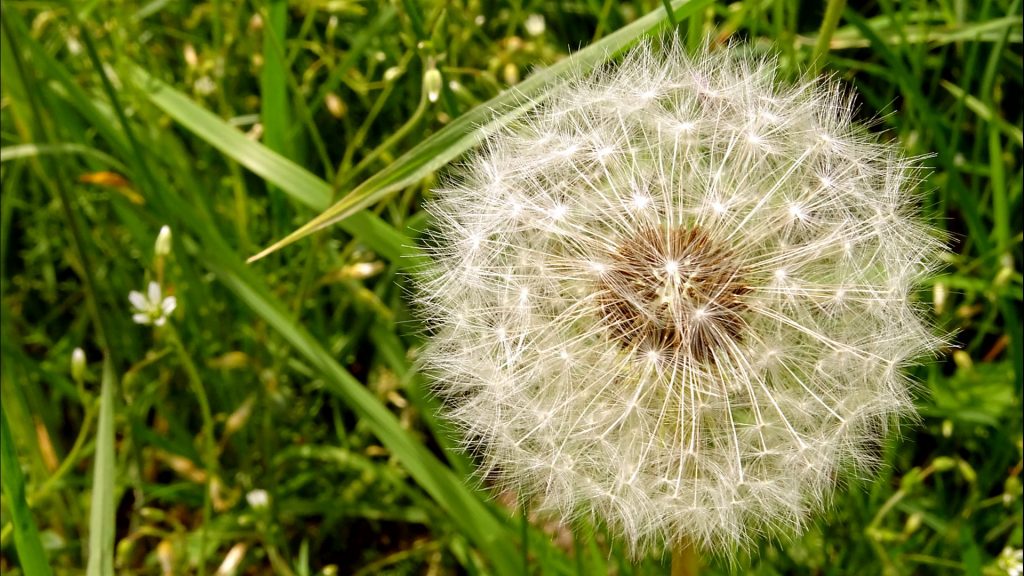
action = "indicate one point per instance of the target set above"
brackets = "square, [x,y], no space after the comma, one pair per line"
[265,415]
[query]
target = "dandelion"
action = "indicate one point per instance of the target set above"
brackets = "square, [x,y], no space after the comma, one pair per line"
[677,298]
[152,307]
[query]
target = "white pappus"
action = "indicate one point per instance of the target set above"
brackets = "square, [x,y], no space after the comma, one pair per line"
[676,297]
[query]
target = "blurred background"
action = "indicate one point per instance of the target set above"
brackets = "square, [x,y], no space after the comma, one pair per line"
[264,418]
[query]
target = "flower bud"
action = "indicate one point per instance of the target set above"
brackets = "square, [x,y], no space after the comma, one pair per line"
[163,241]
[78,365]
[432,83]
[535,24]
[335,105]
[967,471]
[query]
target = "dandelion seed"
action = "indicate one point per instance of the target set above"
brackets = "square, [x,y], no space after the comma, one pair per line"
[731,285]
[151,308]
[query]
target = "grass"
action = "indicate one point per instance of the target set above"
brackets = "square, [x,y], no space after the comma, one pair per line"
[237,124]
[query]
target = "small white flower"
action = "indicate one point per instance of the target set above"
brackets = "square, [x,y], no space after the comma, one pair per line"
[204,86]
[676,297]
[259,499]
[1012,561]
[535,24]
[74,46]
[152,307]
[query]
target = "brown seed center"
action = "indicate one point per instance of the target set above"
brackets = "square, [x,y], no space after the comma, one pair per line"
[674,292]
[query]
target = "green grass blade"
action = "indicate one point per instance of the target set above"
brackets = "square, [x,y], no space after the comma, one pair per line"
[101,515]
[20,151]
[275,112]
[291,178]
[467,130]
[26,535]
[985,112]
[294,180]
[833,12]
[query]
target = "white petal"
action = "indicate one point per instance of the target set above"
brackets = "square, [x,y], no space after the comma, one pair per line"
[168,305]
[143,319]
[137,300]
[154,293]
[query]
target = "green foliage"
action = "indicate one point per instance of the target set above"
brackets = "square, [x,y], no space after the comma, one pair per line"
[275,422]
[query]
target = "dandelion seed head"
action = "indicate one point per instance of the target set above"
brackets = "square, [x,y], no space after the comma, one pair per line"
[676,297]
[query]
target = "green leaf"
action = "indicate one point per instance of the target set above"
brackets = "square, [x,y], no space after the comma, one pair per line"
[20,151]
[469,129]
[26,535]
[101,516]
[291,178]
[985,112]
[274,111]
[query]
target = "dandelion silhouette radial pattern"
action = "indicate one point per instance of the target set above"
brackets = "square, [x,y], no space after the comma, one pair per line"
[676,298]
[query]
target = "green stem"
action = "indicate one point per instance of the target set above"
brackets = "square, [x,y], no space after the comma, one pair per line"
[341,174]
[833,11]
[209,443]
[395,137]
[68,464]
[685,559]
[31,554]
[524,511]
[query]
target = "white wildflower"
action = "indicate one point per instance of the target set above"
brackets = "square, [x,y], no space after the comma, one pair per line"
[1011,560]
[259,499]
[204,86]
[535,24]
[677,297]
[152,307]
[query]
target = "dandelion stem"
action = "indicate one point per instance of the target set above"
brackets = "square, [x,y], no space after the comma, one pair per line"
[685,559]
[526,536]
